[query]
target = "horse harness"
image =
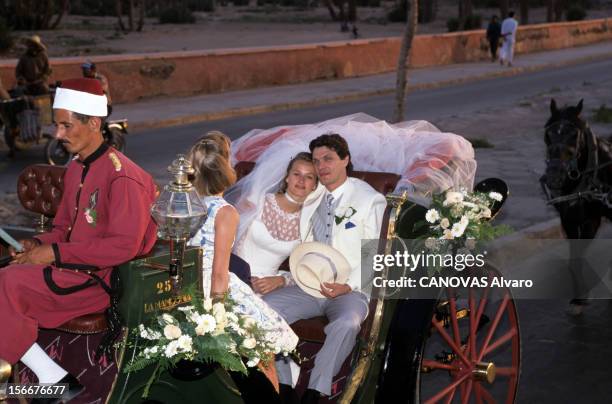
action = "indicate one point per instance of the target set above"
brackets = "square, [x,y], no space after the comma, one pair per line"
[590,187]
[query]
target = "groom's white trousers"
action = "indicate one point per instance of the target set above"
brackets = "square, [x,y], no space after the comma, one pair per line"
[345,314]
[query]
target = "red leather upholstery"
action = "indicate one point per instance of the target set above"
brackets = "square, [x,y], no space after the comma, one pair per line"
[87,324]
[312,329]
[40,188]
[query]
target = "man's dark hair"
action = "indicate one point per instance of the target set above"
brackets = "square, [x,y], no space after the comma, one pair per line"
[85,118]
[511,14]
[335,142]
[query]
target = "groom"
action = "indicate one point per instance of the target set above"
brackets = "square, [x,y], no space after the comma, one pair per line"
[347,212]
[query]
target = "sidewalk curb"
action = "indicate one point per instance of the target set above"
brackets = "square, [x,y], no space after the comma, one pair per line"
[236,112]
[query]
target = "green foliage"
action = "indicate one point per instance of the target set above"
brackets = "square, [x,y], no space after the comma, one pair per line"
[473,21]
[399,13]
[368,3]
[208,5]
[6,37]
[93,7]
[575,13]
[452,24]
[603,114]
[176,15]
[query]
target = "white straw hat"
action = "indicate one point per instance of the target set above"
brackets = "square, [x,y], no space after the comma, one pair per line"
[314,263]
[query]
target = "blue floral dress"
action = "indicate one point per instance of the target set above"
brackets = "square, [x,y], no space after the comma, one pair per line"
[248,303]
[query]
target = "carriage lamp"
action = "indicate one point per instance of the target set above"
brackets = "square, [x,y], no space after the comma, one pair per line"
[179,213]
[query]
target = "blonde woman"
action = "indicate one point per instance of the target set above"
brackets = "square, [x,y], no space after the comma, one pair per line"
[213,175]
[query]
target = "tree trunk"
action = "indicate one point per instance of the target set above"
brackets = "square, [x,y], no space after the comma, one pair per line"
[131,15]
[402,63]
[141,14]
[332,12]
[352,10]
[524,5]
[468,8]
[63,10]
[504,6]
[550,5]
[559,10]
[119,12]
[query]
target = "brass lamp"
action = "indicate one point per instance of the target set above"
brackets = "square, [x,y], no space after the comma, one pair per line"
[179,213]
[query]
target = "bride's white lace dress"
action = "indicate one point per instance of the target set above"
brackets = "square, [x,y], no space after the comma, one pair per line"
[269,240]
[248,303]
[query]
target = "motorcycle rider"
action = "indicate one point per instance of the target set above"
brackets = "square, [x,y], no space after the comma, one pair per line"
[90,71]
[33,70]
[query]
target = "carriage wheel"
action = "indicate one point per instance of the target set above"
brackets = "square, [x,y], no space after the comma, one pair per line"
[473,351]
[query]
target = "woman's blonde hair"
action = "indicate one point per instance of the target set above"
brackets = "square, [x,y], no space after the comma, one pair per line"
[222,140]
[213,172]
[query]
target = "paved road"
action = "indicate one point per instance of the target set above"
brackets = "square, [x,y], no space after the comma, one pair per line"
[154,149]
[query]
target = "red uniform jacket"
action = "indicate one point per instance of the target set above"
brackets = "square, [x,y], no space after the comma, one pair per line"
[102,221]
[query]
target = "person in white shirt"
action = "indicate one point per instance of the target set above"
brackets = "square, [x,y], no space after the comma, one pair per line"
[348,211]
[508,33]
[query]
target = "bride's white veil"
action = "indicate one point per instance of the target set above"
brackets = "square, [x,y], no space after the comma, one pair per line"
[428,160]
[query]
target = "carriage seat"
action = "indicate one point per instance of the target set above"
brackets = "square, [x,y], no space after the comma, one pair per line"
[40,188]
[312,329]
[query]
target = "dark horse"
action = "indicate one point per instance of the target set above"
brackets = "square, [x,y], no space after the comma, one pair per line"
[577,182]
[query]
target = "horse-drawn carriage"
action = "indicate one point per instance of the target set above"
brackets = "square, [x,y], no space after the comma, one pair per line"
[462,346]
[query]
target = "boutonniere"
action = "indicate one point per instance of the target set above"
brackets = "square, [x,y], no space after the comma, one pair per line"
[348,213]
[91,216]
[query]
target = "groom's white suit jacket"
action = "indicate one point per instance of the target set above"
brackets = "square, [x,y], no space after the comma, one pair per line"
[369,206]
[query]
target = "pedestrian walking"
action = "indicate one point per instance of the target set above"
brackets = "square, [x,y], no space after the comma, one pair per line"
[508,32]
[493,35]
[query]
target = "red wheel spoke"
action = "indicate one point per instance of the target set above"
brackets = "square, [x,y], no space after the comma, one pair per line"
[478,393]
[465,399]
[448,389]
[473,326]
[502,340]
[453,315]
[449,398]
[498,316]
[438,365]
[481,306]
[450,342]
[506,372]
[486,395]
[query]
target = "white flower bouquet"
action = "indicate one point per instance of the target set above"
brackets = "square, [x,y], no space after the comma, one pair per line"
[457,220]
[204,332]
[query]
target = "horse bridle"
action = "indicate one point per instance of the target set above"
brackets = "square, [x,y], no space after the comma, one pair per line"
[590,187]
[571,166]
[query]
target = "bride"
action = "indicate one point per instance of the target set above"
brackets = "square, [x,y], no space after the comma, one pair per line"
[429,161]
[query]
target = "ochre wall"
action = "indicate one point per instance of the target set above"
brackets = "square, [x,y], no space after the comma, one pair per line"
[138,76]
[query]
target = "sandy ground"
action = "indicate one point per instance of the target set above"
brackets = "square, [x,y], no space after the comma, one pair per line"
[232,27]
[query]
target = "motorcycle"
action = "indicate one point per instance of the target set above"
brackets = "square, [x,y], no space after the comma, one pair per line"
[114,133]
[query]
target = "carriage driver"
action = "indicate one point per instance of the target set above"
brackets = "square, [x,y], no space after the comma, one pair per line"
[102,221]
